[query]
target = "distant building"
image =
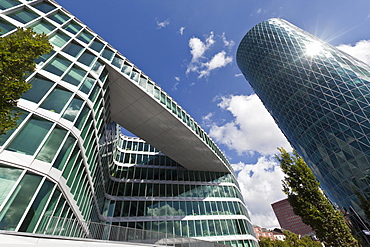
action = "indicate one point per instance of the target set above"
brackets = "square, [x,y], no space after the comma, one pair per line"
[278,234]
[263,232]
[288,220]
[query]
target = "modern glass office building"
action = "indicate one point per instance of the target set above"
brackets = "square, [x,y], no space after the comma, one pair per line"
[319,98]
[68,159]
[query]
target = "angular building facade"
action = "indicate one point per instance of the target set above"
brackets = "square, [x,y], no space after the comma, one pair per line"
[67,159]
[288,220]
[319,97]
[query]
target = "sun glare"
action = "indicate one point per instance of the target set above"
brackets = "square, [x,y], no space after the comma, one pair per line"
[313,49]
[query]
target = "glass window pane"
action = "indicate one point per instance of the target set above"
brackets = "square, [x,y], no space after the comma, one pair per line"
[6,4]
[126,69]
[37,207]
[39,89]
[5,26]
[16,205]
[59,17]
[85,37]
[135,76]
[73,27]
[24,15]
[73,49]
[97,46]
[81,119]
[107,53]
[30,137]
[59,39]
[58,65]
[117,61]
[42,27]
[51,145]
[64,153]
[43,58]
[73,109]
[4,138]
[44,7]
[87,58]
[75,75]
[57,100]
[87,85]
[8,177]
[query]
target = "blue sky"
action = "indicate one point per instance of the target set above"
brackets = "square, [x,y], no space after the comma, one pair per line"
[188,48]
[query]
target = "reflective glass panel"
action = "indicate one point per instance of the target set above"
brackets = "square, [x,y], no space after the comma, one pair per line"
[85,37]
[24,15]
[6,4]
[73,109]
[87,58]
[5,26]
[75,75]
[37,207]
[58,66]
[107,53]
[59,39]
[97,46]
[30,136]
[59,17]
[39,89]
[57,100]
[52,144]
[64,153]
[73,49]
[43,27]
[73,27]
[17,204]
[4,138]
[44,7]
[8,177]
[87,85]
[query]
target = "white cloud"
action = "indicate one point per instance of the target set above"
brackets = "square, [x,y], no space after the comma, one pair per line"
[237,75]
[198,47]
[361,50]
[218,61]
[162,24]
[259,11]
[202,65]
[177,78]
[252,128]
[207,117]
[261,186]
[174,88]
[227,43]
[181,30]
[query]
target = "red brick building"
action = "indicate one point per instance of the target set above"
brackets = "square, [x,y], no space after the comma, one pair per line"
[288,220]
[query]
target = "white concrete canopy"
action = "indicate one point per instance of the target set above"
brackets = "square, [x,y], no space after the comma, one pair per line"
[141,114]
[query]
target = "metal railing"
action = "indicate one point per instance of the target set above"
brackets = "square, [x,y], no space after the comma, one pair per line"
[101,231]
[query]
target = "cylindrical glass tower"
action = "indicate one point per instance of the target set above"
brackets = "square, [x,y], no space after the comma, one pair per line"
[319,97]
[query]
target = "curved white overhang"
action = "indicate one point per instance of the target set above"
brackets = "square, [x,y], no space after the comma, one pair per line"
[145,116]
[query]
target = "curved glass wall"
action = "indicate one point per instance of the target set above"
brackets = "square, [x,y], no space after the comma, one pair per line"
[77,165]
[319,97]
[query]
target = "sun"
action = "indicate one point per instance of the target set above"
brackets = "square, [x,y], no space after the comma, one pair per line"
[313,48]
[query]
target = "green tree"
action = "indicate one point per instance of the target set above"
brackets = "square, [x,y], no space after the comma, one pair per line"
[291,240]
[17,54]
[310,204]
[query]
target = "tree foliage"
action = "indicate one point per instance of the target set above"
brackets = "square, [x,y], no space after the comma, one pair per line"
[17,54]
[310,204]
[291,240]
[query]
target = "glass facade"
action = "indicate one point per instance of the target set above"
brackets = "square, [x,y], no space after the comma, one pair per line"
[68,159]
[319,97]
